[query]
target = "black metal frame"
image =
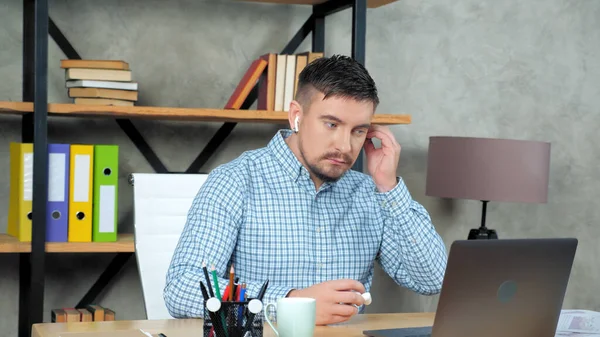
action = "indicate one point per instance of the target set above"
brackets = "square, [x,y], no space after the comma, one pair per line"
[37,26]
[359,37]
[33,129]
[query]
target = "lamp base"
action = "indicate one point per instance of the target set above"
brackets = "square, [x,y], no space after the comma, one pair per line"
[482,233]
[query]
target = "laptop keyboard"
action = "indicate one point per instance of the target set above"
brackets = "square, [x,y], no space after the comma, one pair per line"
[400,332]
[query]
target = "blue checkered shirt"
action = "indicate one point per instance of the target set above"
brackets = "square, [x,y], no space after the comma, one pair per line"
[262,213]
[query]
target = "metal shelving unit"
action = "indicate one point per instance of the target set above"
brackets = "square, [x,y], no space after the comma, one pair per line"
[37,27]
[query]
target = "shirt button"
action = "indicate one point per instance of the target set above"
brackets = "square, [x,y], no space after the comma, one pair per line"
[318,230]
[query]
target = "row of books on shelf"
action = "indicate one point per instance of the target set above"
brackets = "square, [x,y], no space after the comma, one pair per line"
[278,82]
[91,313]
[109,82]
[81,204]
[100,82]
[277,77]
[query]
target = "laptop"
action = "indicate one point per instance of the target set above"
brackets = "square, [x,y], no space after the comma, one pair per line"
[499,288]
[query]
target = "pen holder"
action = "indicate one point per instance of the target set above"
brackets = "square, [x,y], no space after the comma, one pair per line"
[233,319]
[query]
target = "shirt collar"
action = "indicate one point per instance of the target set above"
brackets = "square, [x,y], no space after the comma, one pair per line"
[288,160]
[284,154]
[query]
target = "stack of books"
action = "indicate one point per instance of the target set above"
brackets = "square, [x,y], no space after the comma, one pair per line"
[278,84]
[100,82]
[91,313]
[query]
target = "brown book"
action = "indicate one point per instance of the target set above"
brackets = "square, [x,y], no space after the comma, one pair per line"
[109,315]
[58,316]
[102,101]
[126,95]
[97,312]
[86,316]
[301,62]
[95,64]
[266,84]
[72,315]
[98,74]
[246,84]
[311,56]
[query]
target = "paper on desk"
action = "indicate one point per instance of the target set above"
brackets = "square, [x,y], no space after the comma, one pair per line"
[580,323]
[108,333]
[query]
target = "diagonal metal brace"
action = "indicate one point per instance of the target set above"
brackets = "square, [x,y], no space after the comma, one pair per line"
[121,258]
[105,278]
[126,125]
[226,128]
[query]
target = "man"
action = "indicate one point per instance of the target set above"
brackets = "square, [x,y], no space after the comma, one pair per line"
[295,214]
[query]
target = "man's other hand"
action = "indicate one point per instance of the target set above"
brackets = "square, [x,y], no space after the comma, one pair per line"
[335,299]
[382,163]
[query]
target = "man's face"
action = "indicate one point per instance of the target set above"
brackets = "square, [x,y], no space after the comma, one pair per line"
[332,134]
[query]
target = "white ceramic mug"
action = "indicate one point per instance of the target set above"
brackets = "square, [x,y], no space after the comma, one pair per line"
[296,316]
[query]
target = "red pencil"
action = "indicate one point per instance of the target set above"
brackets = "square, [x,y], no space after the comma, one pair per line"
[231,283]
[226,293]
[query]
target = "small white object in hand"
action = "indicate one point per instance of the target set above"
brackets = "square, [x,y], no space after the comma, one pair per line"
[367,297]
[146,333]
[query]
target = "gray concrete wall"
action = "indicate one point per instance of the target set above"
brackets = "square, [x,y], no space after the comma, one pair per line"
[526,70]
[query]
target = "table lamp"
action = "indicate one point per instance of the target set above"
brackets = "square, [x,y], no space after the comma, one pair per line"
[488,169]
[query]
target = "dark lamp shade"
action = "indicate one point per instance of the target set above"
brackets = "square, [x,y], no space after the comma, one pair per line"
[488,169]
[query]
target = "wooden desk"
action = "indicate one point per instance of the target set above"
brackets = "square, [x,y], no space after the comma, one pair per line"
[182,327]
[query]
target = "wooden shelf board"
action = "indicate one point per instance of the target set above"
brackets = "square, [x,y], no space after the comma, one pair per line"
[124,244]
[167,113]
[370,3]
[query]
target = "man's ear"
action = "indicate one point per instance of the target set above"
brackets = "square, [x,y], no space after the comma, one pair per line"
[294,112]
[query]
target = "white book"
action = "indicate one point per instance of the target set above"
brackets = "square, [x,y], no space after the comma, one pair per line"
[280,82]
[290,81]
[102,84]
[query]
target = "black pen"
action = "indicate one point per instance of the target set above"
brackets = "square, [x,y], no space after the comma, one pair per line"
[250,318]
[210,289]
[263,290]
[213,316]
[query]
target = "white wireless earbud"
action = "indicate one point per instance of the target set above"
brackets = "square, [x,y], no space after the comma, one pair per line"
[296,124]
[367,297]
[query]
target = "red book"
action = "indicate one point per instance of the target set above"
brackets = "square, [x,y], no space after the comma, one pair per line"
[246,84]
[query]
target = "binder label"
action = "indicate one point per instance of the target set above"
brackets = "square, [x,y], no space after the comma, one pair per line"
[57,176]
[106,218]
[28,176]
[81,178]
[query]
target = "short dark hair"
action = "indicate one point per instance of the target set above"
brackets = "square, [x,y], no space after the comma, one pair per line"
[336,76]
